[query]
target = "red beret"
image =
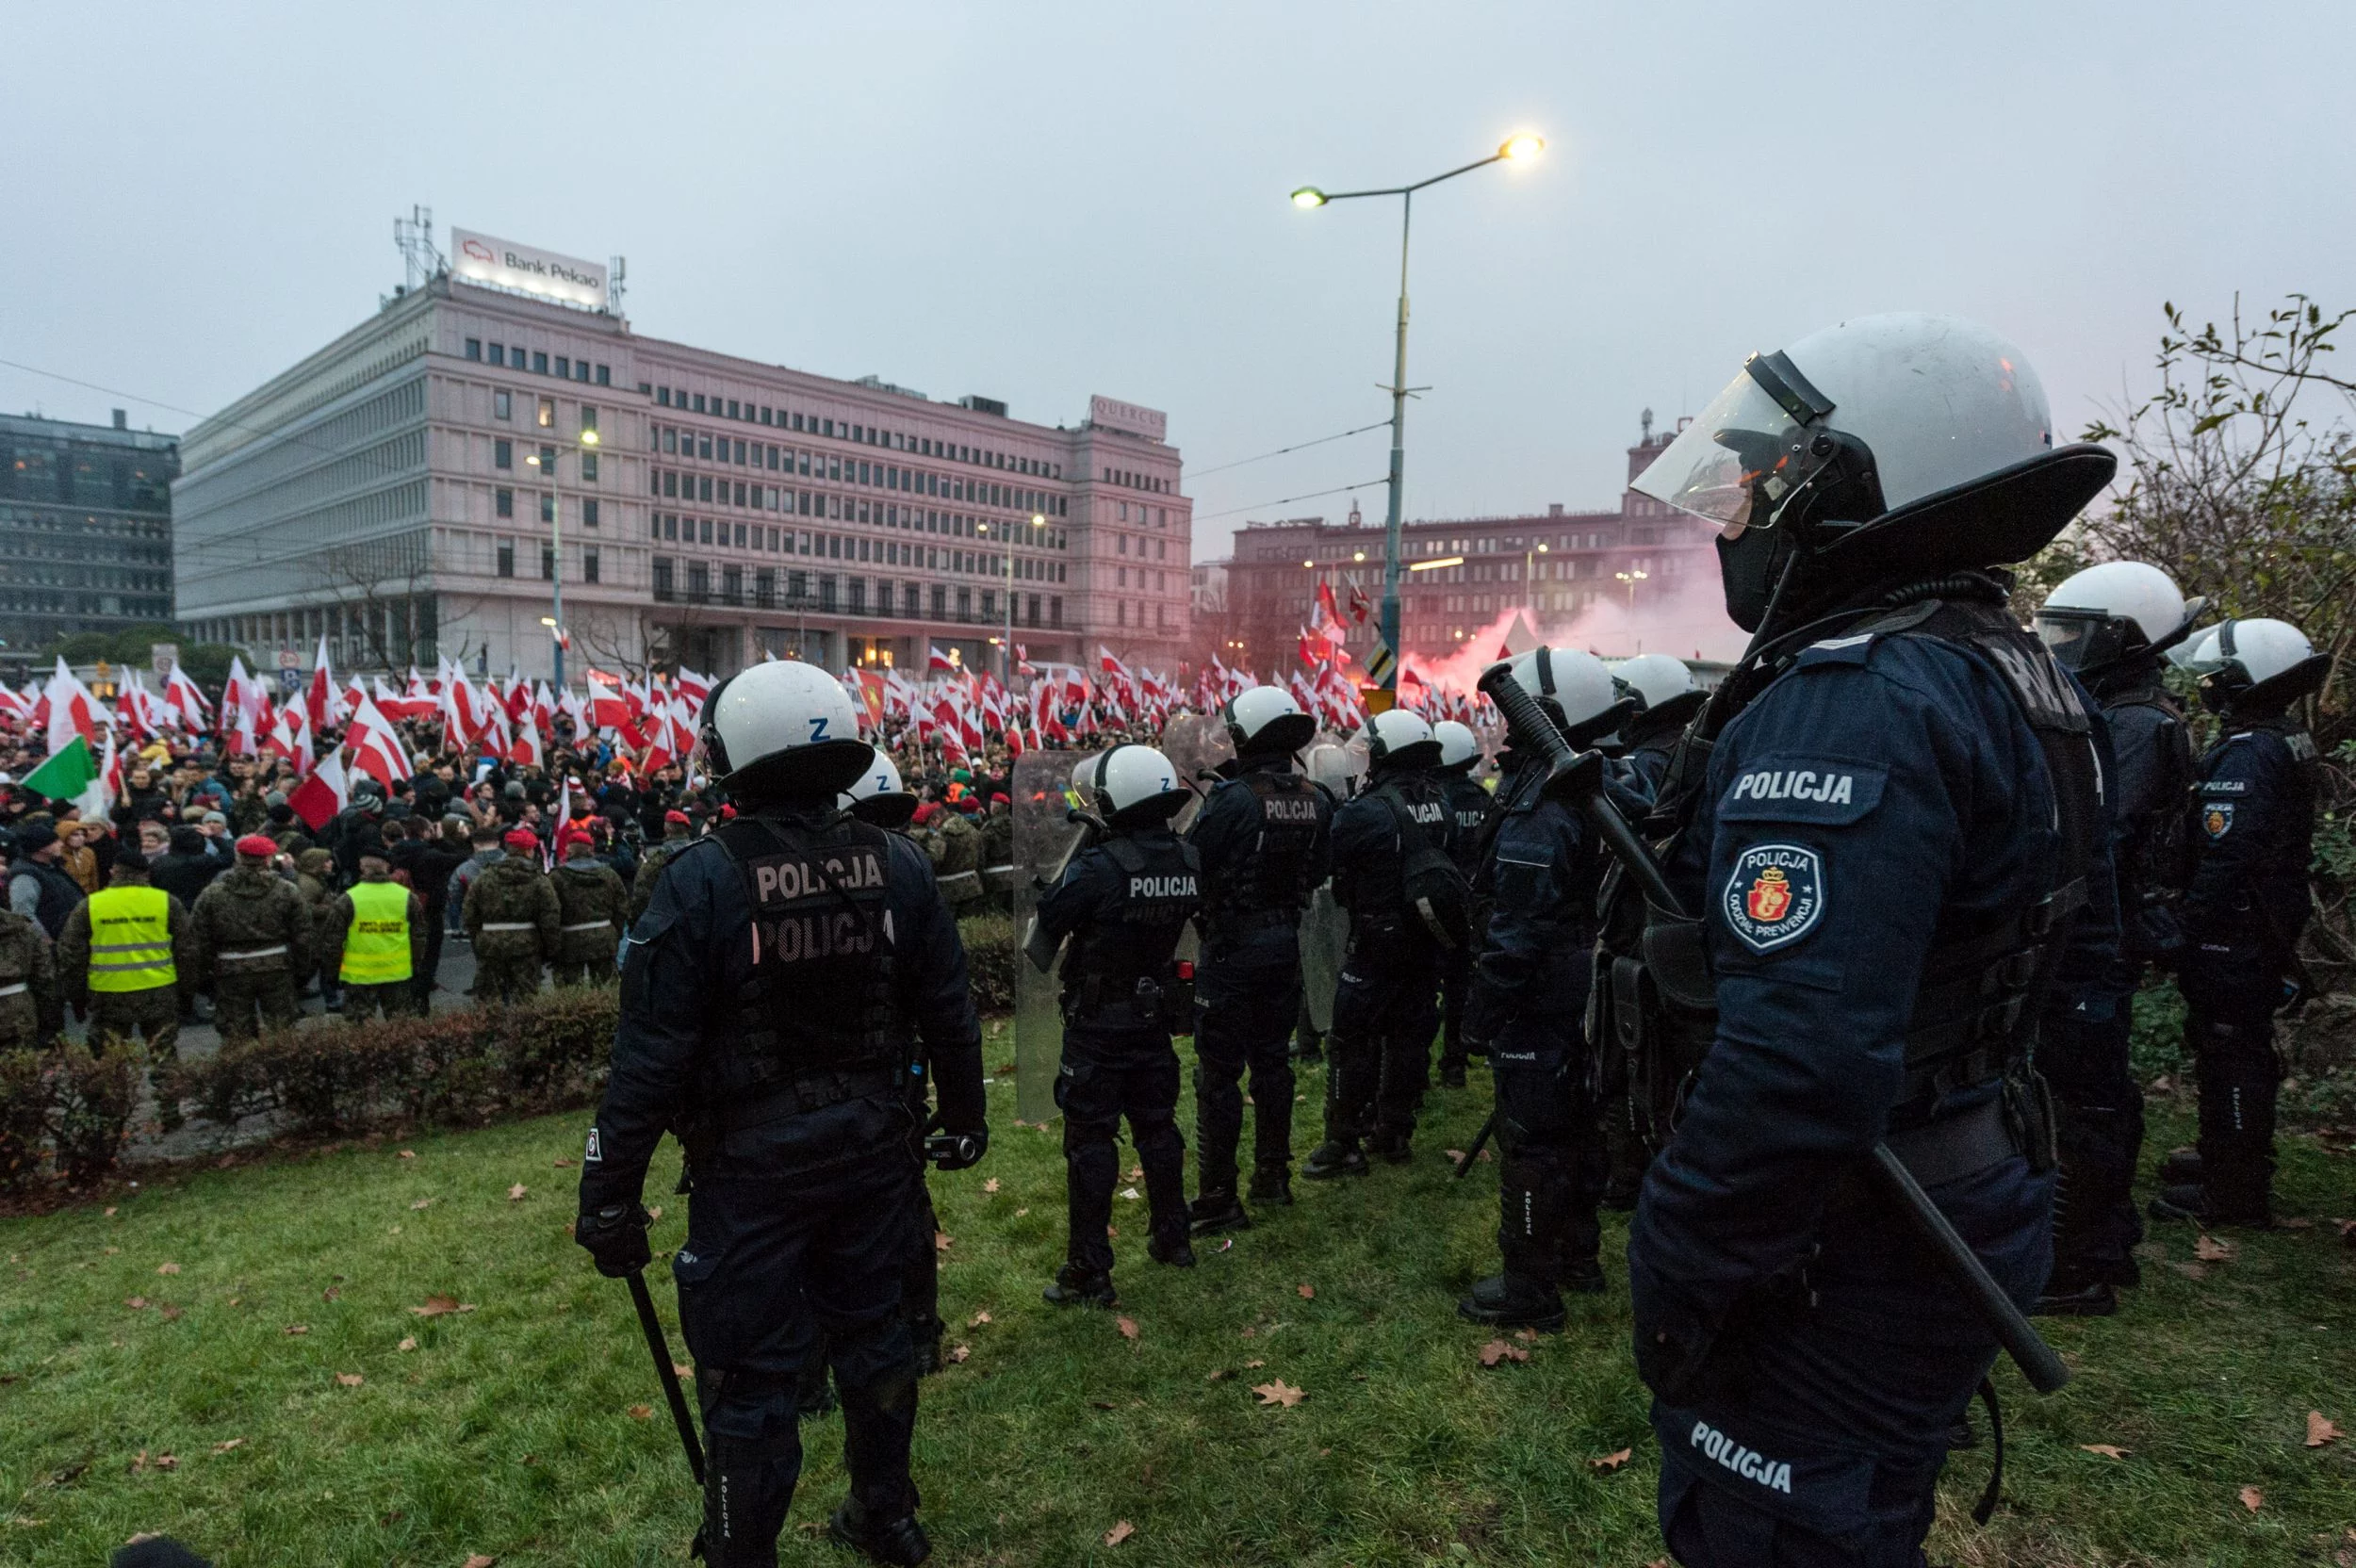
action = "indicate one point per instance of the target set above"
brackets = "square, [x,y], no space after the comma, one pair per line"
[521,839]
[570,835]
[679,817]
[258,846]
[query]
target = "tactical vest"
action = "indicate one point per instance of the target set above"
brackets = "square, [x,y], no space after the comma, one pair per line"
[2152,860]
[2278,891]
[1270,886]
[376,949]
[1119,972]
[130,939]
[1976,1011]
[1471,810]
[811,1025]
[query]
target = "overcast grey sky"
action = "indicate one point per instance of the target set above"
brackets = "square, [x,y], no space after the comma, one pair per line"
[1037,202]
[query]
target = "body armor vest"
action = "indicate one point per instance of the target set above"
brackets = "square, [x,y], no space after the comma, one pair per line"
[1119,972]
[1975,1012]
[2152,851]
[811,1025]
[1269,884]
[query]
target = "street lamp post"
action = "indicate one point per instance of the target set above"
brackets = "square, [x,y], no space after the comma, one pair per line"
[1631,578]
[1529,579]
[555,621]
[1516,149]
[1005,651]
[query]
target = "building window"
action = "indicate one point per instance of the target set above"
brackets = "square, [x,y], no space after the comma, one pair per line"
[507,558]
[664,588]
[940,602]
[589,565]
[909,595]
[474,347]
[588,415]
[563,368]
[580,370]
[699,402]
[548,562]
[588,467]
[662,396]
[731,584]
[502,454]
[539,362]
[858,596]
[502,406]
[504,502]
[589,512]
[605,375]
[547,506]
[1055,610]
[548,413]
[698,581]
[765,588]
[499,356]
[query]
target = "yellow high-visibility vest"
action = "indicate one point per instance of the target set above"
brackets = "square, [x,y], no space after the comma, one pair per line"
[130,939]
[376,949]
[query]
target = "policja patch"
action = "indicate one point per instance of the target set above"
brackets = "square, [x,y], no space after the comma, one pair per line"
[1774,896]
[2216,819]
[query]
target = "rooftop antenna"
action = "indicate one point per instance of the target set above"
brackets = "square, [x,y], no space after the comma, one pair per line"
[615,277]
[413,236]
[1647,418]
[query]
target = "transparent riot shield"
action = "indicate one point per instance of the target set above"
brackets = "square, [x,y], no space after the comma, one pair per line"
[1324,928]
[1044,837]
[1196,744]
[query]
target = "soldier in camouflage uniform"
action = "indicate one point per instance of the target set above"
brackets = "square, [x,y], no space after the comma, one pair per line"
[253,943]
[593,903]
[997,855]
[956,847]
[315,883]
[374,942]
[677,833]
[514,920]
[32,1008]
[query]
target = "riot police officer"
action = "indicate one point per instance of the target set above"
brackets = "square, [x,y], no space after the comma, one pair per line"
[1666,699]
[1264,838]
[2254,835]
[1885,824]
[1471,809]
[1527,1011]
[1123,903]
[757,997]
[2109,625]
[1386,1007]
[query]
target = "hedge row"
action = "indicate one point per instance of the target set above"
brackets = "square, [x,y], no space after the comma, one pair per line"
[458,1068]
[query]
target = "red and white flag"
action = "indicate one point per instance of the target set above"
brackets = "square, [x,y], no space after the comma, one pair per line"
[186,699]
[608,708]
[937,663]
[376,748]
[324,701]
[320,795]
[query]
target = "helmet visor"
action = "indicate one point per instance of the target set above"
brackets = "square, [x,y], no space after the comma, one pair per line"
[1736,464]
[2079,639]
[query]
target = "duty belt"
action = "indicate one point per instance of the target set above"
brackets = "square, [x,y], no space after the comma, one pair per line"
[510,925]
[12,991]
[810,1089]
[581,925]
[1255,920]
[278,952]
[1958,1146]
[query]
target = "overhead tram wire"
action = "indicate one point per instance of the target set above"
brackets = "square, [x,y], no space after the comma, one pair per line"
[1285,500]
[1299,447]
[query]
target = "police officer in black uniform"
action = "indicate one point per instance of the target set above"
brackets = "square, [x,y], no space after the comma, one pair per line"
[1123,903]
[1386,1008]
[2254,832]
[1527,1011]
[1885,827]
[1666,700]
[1471,811]
[2109,625]
[759,999]
[1264,838]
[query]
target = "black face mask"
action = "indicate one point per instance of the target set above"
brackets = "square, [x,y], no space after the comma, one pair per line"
[1749,566]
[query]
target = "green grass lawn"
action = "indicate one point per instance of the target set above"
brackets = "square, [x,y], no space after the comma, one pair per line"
[508,1430]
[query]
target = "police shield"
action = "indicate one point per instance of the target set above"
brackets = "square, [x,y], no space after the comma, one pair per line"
[1324,928]
[1196,744]
[1044,839]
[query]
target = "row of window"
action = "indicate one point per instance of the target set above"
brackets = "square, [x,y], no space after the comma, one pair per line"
[504,561]
[866,436]
[503,456]
[669,485]
[671,527]
[673,441]
[562,367]
[1136,481]
[503,505]
[765,588]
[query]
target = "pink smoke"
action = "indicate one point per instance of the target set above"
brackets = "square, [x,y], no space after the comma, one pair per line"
[1688,621]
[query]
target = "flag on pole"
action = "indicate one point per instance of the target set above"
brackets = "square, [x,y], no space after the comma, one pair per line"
[66,775]
[323,794]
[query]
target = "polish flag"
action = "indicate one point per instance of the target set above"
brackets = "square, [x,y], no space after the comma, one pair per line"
[325,702]
[937,663]
[608,708]
[182,695]
[376,748]
[323,794]
[244,694]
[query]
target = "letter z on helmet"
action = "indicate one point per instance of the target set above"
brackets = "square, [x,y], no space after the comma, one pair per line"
[783,729]
[876,796]
[1130,784]
[1397,739]
[1459,746]
[1266,721]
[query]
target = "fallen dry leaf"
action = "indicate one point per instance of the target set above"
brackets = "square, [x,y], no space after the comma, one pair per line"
[640,1413]
[1528,1336]
[135,1302]
[1279,1393]
[478,1560]
[1611,1461]
[2162,1085]
[990,1185]
[408,1343]
[959,1354]
[297,1329]
[1451,1155]
[2191,1270]
[1254,1365]
[1019,1213]
[2108,1450]
[166,1461]
[408,1154]
[349,1380]
[683,1373]
[1128,1326]
[170,1312]
[110,1212]
[1220,1376]
[2320,1432]
[227,1444]
[437,1305]
[1308,1293]
[977,1321]
[332,1293]
[422,1203]
[1119,1533]
[2209,1249]
[515,1193]
[654,1214]
[167,1268]
[2295,1222]
[1136,1173]
[942,1241]
[1500,1351]
[564,1164]
[2253,1499]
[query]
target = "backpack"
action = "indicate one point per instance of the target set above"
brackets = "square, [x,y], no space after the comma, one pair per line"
[1430,884]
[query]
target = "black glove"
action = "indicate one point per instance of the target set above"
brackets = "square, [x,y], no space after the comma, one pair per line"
[957,1150]
[616,1238]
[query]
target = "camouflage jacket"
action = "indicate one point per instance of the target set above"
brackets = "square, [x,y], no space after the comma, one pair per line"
[27,961]
[590,893]
[513,894]
[248,909]
[650,871]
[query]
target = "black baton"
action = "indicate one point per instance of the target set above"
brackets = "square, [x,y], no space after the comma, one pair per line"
[662,1349]
[1480,1140]
[1579,778]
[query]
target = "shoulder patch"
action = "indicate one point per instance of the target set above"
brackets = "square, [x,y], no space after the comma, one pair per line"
[1837,650]
[1828,789]
[1775,895]
[2216,819]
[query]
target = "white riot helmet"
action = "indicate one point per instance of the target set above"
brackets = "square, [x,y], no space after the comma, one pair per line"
[1266,721]
[2256,665]
[1901,445]
[1130,784]
[1397,739]
[1665,687]
[877,797]
[1575,689]
[1460,748]
[783,729]
[2111,612]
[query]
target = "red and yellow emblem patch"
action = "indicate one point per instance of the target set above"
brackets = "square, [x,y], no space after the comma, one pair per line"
[1776,895]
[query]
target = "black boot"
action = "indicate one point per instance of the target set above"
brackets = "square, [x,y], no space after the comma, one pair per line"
[1271,1182]
[1215,1212]
[2074,1295]
[1074,1287]
[2181,1168]
[1172,1251]
[1391,1145]
[2204,1204]
[1451,1072]
[1583,1277]
[1308,1045]
[1514,1301]
[1333,1158]
[900,1542]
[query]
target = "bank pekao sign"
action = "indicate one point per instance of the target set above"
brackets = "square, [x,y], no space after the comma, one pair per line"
[504,264]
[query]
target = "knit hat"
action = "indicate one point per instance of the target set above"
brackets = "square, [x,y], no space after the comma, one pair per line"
[254,846]
[521,840]
[38,836]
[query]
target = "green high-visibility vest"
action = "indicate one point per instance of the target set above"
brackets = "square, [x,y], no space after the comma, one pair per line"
[376,949]
[130,939]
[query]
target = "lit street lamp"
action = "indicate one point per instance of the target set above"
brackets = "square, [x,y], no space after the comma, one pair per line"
[1005,651]
[555,623]
[1518,149]
[1529,579]
[1631,578]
